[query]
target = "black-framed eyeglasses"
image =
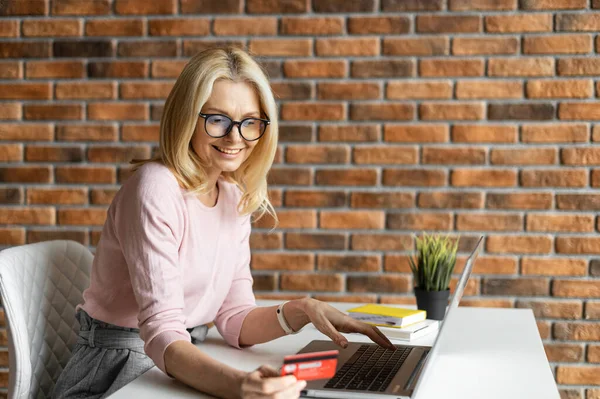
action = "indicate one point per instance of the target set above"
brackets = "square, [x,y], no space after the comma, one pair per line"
[217,125]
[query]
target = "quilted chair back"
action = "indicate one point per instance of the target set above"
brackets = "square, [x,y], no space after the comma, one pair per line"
[40,286]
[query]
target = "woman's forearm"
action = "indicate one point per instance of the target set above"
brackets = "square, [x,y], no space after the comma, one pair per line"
[261,324]
[188,364]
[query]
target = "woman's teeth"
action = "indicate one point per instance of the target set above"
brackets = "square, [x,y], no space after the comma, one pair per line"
[226,151]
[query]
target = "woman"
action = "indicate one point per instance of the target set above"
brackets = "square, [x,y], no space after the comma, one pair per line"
[174,251]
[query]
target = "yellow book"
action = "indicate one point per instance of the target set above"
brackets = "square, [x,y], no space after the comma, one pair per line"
[387,316]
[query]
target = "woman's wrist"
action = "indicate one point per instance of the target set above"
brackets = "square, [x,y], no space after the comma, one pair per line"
[295,314]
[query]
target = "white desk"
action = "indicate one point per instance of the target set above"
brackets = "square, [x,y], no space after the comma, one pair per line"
[500,355]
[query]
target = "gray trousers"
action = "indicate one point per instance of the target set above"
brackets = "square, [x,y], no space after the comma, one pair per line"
[105,358]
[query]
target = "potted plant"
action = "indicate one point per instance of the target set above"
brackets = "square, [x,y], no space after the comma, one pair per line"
[432,270]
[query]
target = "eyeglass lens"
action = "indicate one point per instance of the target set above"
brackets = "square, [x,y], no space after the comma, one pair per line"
[218,126]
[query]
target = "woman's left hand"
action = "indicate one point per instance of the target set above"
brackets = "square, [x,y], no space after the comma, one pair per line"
[332,322]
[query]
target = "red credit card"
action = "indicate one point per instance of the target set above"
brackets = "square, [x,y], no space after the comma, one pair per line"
[311,366]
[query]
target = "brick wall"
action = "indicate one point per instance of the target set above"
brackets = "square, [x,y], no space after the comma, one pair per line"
[465,116]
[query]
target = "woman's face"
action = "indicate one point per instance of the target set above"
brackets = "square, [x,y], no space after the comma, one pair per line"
[238,101]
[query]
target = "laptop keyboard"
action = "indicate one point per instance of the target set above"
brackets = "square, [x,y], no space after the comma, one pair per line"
[371,368]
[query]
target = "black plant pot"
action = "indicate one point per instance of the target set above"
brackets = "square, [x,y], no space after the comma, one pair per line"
[433,302]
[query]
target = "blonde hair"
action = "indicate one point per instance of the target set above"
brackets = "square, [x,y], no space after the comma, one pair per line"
[180,115]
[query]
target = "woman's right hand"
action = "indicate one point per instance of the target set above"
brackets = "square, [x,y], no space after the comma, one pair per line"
[265,383]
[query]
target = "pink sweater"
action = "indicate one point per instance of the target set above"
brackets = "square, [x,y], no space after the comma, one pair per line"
[166,262]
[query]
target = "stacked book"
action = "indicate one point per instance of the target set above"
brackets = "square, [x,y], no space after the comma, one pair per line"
[396,323]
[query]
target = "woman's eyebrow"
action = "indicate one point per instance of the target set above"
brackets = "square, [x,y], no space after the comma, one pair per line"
[220,111]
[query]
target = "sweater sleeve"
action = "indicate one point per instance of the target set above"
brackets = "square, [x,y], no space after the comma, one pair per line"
[240,298]
[149,224]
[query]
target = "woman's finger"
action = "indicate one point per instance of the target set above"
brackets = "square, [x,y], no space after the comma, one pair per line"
[257,383]
[373,333]
[328,329]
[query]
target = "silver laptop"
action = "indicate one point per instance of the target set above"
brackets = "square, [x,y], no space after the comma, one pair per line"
[366,370]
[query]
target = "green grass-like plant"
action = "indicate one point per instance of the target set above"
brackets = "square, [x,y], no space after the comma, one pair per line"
[434,263]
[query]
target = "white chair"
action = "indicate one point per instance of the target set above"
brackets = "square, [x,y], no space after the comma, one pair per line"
[40,285]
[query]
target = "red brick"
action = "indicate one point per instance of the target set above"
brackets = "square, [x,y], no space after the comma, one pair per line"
[580,156]
[519,244]
[86,133]
[349,263]
[311,26]
[518,23]
[422,133]
[102,196]
[314,282]
[521,111]
[592,310]
[560,89]
[579,110]
[382,68]
[490,265]
[528,156]
[295,133]
[167,68]
[382,200]
[451,67]
[553,309]
[523,67]
[77,7]
[115,27]
[266,241]
[39,153]
[291,219]
[480,89]
[483,178]
[578,66]
[118,69]
[145,90]
[310,241]
[554,178]
[54,69]
[378,25]
[414,177]
[62,196]
[578,245]
[292,90]
[281,47]
[412,5]
[85,174]
[578,201]
[25,91]
[142,7]
[434,45]
[555,133]
[304,154]
[10,111]
[193,47]
[378,284]
[577,22]
[490,221]
[485,45]
[346,177]
[313,111]
[484,134]
[140,133]
[486,303]
[348,91]
[52,111]
[453,155]
[25,49]
[147,48]
[352,220]
[79,217]
[451,111]
[27,132]
[117,111]
[349,133]
[595,181]
[9,28]
[51,28]
[85,90]
[117,154]
[28,215]
[385,155]
[552,4]
[448,24]
[249,26]
[576,331]
[347,47]
[441,200]
[593,356]
[400,90]
[382,111]
[11,70]
[276,7]
[482,5]
[419,221]
[12,236]
[283,261]
[315,198]
[553,266]
[315,69]
[11,152]
[558,44]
